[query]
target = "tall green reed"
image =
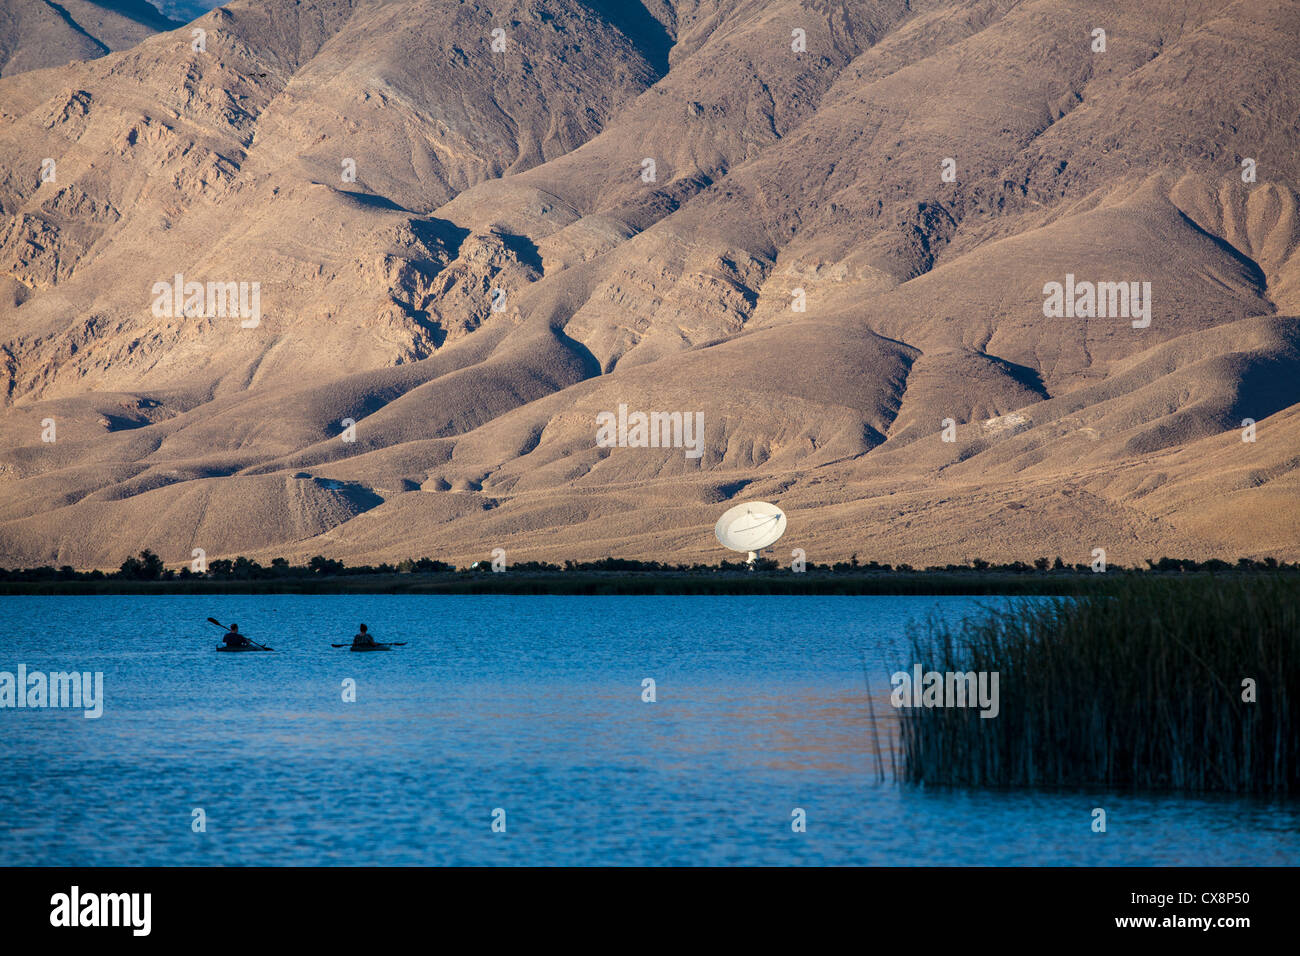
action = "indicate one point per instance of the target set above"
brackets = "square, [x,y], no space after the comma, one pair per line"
[1137,686]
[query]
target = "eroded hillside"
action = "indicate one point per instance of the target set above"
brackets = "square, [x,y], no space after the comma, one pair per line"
[456,234]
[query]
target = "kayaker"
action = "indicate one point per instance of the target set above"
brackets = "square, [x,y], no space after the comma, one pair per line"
[234,639]
[363,638]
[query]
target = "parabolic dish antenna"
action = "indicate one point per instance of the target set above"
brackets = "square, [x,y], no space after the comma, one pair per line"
[750,527]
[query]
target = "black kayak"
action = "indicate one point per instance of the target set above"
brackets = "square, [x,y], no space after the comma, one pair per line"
[371,647]
[236,650]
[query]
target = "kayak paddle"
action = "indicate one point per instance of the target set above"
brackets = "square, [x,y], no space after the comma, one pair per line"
[213,620]
[381,643]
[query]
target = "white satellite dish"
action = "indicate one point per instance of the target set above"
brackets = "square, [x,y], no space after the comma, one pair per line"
[750,527]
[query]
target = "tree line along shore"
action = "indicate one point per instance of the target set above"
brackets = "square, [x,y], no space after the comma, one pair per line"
[147,574]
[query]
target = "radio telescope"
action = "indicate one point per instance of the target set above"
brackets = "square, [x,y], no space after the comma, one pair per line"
[750,527]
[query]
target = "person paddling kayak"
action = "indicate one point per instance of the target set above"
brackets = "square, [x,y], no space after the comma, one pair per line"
[234,639]
[363,638]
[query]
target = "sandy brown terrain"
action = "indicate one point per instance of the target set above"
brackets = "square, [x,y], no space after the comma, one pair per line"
[40,33]
[866,339]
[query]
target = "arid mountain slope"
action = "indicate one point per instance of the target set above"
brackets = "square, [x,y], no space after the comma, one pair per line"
[38,33]
[827,232]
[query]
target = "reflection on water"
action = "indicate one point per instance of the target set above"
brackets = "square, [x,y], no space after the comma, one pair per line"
[531,704]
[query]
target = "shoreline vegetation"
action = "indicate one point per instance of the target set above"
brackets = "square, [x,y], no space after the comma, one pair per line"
[1156,683]
[147,574]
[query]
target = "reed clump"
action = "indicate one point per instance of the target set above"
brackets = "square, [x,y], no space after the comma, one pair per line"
[1146,684]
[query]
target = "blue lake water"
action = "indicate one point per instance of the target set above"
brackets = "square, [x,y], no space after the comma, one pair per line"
[531,704]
